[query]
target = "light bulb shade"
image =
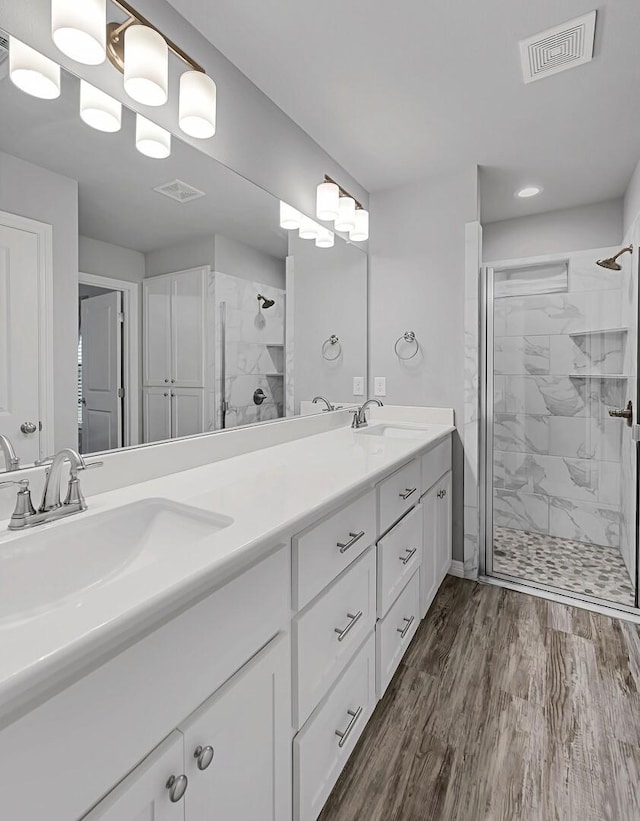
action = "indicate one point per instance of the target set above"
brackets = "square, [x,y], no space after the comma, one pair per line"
[346,219]
[290,219]
[98,109]
[360,231]
[152,140]
[197,112]
[79,29]
[146,65]
[309,229]
[325,238]
[327,199]
[32,72]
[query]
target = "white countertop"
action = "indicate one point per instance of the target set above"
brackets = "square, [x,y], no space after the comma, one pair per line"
[270,494]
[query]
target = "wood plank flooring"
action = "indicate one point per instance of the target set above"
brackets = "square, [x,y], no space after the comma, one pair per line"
[506,708]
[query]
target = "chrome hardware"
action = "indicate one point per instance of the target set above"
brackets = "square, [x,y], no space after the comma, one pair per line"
[404,630]
[343,735]
[166,381]
[259,396]
[410,553]
[441,493]
[165,394]
[177,787]
[12,462]
[360,416]
[410,338]
[344,546]
[342,633]
[331,343]
[408,491]
[28,427]
[203,756]
[172,381]
[24,507]
[623,413]
[329,406]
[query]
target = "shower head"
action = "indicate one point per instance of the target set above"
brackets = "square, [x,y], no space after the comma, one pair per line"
[611,263]
[266,303]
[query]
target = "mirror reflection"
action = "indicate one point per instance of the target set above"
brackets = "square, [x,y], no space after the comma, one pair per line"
[147,299]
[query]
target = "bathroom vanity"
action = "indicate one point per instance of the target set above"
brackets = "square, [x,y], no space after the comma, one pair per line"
[232,656]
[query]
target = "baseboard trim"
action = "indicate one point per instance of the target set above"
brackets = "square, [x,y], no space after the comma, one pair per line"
[457,569]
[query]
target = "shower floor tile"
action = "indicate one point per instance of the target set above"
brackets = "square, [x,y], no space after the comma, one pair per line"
[573,566]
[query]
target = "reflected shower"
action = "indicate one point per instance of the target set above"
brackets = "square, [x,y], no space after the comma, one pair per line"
[266,303]
[611,263]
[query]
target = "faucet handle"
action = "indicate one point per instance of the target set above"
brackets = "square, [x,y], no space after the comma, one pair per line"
[24,507]
[91,465]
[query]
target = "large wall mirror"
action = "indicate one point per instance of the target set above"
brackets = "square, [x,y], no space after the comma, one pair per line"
[147,299]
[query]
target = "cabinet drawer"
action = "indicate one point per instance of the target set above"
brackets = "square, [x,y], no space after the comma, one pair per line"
[327,634]
[394,633]
[435,463]
[397,494]
[399,554]
[323,551]
[319,753]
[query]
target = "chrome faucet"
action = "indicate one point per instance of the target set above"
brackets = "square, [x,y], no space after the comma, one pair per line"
[360,416]
[11,460]
[52,507]
[329,407]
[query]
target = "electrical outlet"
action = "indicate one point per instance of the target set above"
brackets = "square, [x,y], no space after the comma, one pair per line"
[358,385]
[380,386]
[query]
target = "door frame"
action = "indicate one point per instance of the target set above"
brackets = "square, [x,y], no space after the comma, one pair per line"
[44,234]
[131,349]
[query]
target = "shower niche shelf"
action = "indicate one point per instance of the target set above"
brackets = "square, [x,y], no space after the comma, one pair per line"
[617,376]
[600,332]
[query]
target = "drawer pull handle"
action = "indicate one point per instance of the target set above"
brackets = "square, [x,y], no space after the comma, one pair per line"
[344,735]
[177,787]
[404,630]
[408,491]
[203,756]
[354,617]
[344,546]
[411,552]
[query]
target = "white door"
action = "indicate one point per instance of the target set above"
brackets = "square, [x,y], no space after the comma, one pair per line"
[187,412]
[19,344]
[238,745]
[187,329]
[144,795]
[444,526]
[157,330]
[428,579]
[101,331]
[156,410]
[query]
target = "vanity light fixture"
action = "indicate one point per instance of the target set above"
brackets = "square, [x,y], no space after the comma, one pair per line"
[32,72]
[360,231]
[99,110]
[325,238]
[290,218]
[335,203]
[152,140]
[197,114]
[79,29]
[309,229]
[346,219]
[146,66]
[529,191]
[327,201]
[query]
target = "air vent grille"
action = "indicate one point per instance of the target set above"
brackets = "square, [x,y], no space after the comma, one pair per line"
[559,48]
[179,191]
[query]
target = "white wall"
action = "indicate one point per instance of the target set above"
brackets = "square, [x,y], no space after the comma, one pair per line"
[554,232]
[417,267]
[181,256]
[240,260]
[632,200]
[108,260]
[34,192]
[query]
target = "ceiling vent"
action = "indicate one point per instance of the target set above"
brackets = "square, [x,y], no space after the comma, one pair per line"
[179,191]
[559,48]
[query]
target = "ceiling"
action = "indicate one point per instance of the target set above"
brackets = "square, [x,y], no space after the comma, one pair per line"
[399,91]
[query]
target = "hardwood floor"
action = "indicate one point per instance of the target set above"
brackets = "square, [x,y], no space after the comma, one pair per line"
[506,708]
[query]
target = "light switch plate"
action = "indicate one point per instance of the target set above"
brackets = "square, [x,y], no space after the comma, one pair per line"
[358,385]
[380,385]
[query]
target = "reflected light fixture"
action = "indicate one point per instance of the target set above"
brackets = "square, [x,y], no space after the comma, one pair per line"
[290,219]
[152,140]
[360,230]
[197,113]
[333,202]
[79,29]
[327,201]
[346,219]
[325,238]
[32,72]
[146,65]
[529,191]
[309,229]
[99,110]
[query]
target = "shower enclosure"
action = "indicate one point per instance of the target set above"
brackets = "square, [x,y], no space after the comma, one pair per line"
[560,350]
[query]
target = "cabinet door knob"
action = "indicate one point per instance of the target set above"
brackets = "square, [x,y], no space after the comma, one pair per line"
[167,381]
[203,756]
[172,381]
[177,786]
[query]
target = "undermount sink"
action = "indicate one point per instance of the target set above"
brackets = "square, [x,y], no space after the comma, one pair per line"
[49,565]
[394,432]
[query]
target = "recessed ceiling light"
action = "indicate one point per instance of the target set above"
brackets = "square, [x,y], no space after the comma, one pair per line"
[529,191]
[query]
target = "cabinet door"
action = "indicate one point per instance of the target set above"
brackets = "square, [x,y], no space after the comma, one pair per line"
[187,411]
[428,579]
[187,329]
[144,795]
[443,542]
[238,744]
[156,403]
[156,324]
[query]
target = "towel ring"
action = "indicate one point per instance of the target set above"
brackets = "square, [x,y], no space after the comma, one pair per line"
[410,337]
[332,341]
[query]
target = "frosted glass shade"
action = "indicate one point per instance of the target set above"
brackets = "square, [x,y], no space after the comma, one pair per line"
[146,65]
[152,140]
[290,219]
[32,72]
[360,231]
[98,109]
[308,229]
[346,219]
[327,198]
[79,29]
[197,113]
[325,238]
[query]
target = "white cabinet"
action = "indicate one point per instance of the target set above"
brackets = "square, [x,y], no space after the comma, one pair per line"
[156,324]
[187,411]
[156,413]
[443,528]
[436,558]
